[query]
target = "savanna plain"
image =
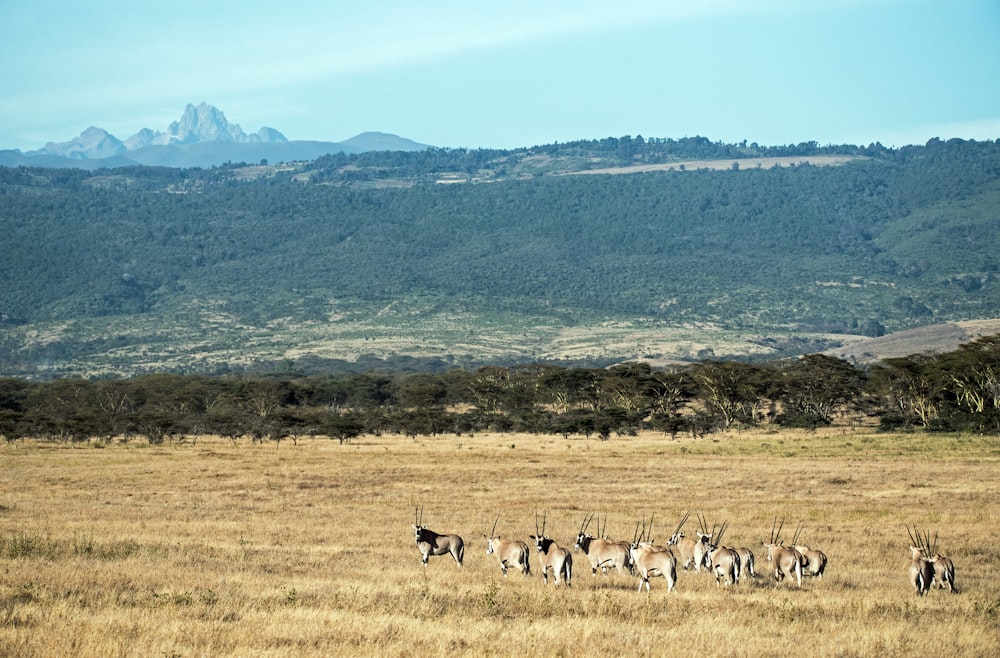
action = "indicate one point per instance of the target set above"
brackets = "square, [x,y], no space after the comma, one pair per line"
[216,548]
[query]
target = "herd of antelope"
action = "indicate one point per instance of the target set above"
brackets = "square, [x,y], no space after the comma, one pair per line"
[646,559]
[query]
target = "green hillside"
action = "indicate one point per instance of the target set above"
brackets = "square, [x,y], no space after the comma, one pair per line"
[121,271]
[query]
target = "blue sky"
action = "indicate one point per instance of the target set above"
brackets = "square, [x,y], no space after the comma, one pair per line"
[459,73]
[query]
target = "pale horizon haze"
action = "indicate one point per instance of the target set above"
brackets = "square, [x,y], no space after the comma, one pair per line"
[506,75]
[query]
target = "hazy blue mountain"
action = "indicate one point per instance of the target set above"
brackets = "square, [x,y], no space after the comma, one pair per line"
[202,137]
[93,143]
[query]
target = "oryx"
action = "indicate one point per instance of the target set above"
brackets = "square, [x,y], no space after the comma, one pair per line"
[692,551]
[723,561]
[552,556]
[651,560]
[786,561]
[943,567]
[921,570]
[746,562]
[603,553]
[944,572]
[510,552]
[431,543]
[814,561]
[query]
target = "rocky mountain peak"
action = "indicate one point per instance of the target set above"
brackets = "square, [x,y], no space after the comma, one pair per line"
[93,142]
[204,123]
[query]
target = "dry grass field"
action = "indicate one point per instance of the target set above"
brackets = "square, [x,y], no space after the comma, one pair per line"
[216,549]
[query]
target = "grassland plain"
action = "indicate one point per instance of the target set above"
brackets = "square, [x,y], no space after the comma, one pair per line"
[214,548]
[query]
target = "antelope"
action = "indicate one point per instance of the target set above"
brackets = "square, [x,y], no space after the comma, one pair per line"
[746,562]
[601,552]
[510,552]
[921,570]
[431,543]
[692,550]
[944,568]
[552,556]
[651,560]
[944,572]
[786,561]
[722,560]
[814,563]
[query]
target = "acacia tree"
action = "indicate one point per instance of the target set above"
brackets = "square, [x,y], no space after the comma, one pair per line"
[910,386]
[973,375]
[733,391]
[815,386]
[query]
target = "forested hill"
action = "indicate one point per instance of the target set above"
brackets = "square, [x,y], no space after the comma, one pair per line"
[115,261]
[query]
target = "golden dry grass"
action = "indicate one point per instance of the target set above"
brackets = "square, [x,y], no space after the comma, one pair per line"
[248,550]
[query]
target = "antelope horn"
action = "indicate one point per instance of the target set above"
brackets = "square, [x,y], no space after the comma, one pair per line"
[934,546]
[776,535]
[702,523]
[722,531]
[545,515]
[635,535]
[795,537]
[494,527]
[681,524]
[538,534]
[650,538]
[913,541]
[586,523]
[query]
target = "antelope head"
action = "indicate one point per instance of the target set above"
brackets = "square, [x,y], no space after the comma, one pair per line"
[541,541]
[418,514]
[492,536]
[775,537]
[676,537]
[582,535]
[921,546]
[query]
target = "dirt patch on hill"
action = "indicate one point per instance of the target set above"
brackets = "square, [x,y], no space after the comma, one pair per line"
[720,165]
[933,339]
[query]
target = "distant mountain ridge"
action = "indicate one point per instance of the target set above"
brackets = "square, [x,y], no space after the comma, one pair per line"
[202,137]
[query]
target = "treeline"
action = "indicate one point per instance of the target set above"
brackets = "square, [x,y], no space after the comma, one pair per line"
[957,391]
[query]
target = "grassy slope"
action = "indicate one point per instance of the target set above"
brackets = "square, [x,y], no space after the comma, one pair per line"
[201,331]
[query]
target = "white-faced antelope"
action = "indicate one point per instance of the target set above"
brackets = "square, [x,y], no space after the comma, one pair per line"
[552,557]
[814,561]
[651,560]
[921,570]
[431,543]
[602,553]
[786,561]
[724,562]
[510,552]
[692,551]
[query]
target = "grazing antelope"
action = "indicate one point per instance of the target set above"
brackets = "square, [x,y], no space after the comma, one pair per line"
[814,563]
[724,562]
[552,556]
[944,568]
[602,553]
[510,552]
[786,561]
[651,560]
[692,550]
[431,543]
